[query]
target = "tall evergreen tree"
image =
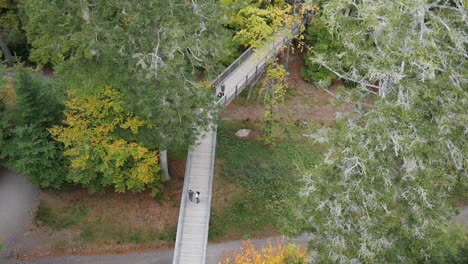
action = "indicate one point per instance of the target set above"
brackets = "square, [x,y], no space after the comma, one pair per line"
[26,145]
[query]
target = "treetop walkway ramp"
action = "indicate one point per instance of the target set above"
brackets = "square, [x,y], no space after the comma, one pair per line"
[192,227]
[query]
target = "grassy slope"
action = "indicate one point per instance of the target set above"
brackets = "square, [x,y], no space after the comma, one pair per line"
[265,178]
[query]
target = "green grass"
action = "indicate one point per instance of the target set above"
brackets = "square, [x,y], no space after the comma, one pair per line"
[60,218]
[96,231]
[267,177]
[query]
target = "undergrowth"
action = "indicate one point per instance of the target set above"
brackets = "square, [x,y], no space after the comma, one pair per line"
[267,177]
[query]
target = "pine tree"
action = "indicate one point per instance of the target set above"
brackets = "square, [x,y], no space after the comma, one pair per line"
[26,145]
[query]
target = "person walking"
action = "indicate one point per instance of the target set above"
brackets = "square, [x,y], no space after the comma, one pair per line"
[221,94]
[190,196]
[197,196]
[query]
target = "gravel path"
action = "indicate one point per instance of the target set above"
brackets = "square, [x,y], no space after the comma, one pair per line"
[17,202]
[215,253]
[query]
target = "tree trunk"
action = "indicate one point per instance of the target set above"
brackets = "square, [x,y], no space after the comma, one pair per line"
[287,55]
[163,164]
[6,51]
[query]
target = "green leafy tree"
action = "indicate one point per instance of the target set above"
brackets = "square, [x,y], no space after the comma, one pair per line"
[28,107]
[320,41]
[100,141]
[254,21]
[382,194]
[153,51]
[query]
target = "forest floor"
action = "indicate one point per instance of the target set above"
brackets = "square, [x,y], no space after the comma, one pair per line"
[76,222]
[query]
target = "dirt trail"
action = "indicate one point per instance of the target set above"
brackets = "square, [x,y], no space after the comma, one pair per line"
[17,204]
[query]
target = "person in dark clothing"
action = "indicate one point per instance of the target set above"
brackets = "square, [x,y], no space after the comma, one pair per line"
[223,88]
[190,196]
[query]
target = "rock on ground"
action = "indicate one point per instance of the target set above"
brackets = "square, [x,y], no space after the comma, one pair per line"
[243,133]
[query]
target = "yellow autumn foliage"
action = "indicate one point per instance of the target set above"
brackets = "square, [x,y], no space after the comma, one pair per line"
[273,90]
[7,93]
[280,253]
[99,156]
[256,20]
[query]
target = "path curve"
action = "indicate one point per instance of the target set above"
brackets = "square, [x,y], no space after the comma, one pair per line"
[17,203]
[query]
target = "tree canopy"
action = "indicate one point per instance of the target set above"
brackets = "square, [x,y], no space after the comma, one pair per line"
[281,253]
[12,37]
[382,192]
[256,21]
[28,106]
[99,139]
[154,52]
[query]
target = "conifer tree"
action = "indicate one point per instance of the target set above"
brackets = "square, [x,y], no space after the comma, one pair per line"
[26,146]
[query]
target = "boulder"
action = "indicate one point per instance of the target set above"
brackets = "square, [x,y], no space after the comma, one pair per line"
[243,133]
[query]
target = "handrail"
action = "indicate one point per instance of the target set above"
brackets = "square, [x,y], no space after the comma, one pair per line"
[234,64]
[180,222]
[210,190]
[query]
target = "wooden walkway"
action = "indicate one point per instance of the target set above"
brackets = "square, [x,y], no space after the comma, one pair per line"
[192,228]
